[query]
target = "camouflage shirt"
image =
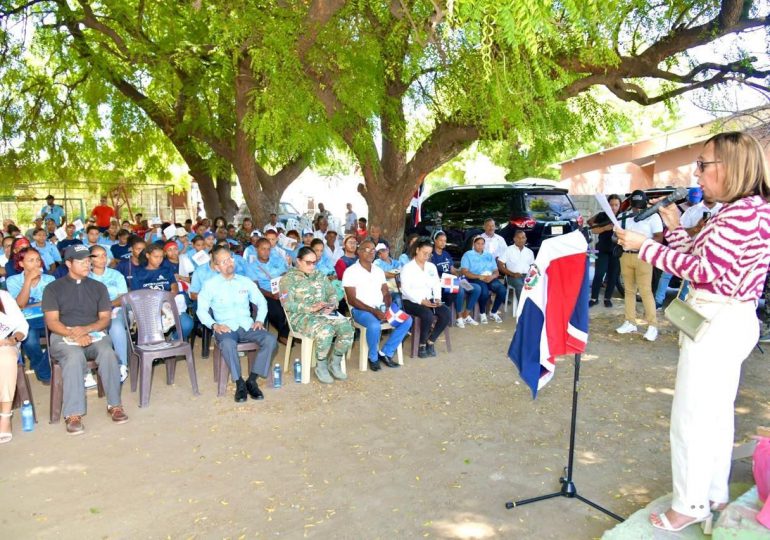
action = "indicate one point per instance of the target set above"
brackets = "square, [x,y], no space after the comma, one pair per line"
[299,291]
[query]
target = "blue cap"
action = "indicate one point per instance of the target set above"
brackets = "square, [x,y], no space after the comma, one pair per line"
[695,195]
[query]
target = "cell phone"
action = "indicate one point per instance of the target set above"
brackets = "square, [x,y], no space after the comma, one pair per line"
[706,215]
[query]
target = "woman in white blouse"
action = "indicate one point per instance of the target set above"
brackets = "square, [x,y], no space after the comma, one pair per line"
[13,330]
[421,292]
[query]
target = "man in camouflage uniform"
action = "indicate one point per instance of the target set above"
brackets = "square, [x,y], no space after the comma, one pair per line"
[308,298]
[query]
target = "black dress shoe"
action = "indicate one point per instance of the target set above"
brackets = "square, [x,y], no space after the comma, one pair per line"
[422,352]
[387,361]
[254,391]
[374,366]
[240,391]
[607,303]
[592,302]
[430,348]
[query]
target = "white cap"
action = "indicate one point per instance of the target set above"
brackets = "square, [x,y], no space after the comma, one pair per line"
[306,231]
[380,247]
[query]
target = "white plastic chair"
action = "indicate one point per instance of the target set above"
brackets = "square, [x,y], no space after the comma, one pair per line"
[363,346]
[511,294]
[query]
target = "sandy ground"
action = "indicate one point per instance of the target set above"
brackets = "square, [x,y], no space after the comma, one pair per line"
[433,449]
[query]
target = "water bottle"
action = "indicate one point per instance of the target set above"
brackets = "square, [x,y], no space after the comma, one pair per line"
[297,370]
[27,416]
[277,376]
[383,308]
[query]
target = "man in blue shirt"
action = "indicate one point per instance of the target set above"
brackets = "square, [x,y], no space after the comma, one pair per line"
[48,252]
[229,296]
[267,268]
[52,211]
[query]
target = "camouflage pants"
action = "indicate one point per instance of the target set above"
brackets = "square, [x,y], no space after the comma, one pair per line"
[324,331]
[765,311]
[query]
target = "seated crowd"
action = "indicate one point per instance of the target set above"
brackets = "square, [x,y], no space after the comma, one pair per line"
[64,285]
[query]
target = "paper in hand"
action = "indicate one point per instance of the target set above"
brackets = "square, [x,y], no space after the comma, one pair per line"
[605,206]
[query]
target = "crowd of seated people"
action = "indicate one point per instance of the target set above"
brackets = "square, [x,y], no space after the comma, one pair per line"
[70,277]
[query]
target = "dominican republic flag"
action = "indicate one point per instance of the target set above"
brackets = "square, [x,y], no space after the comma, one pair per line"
[450,283]
[553,310]
[416,204]
[395,318]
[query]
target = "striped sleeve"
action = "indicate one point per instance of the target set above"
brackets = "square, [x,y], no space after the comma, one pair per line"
[726,239]
[678,239]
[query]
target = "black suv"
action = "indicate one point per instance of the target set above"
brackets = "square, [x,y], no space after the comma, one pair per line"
[541,211]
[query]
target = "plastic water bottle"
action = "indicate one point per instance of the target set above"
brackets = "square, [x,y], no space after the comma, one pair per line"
[297,370]
[383,308]
[277,376]
[27,416]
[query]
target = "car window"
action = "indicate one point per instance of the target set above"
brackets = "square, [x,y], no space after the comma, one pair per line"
[542,205]
[448,202]
[494,203]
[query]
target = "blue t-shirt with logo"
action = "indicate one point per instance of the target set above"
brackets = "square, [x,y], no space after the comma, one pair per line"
[159,279]
[443,262]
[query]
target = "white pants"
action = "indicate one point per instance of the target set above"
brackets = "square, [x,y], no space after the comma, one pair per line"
[702,414]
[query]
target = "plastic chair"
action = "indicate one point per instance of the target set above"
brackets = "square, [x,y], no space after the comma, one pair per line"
[416,336]
[23,391]
[151,343]
[307,358]
[57,381]
[363,346]
[222,370]
[510,294]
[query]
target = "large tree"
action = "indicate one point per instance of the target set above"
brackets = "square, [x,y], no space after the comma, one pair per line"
[206,77]
[409,85]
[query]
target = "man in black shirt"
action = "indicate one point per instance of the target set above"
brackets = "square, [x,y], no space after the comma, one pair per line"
[77,312]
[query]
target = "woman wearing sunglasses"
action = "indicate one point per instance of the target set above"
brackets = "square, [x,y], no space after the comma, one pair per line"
[726,265]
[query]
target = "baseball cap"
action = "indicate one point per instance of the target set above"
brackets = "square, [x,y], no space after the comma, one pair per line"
[380,247]
[78,251]
[695,195]
[305,232]
[271,228]
[638,199]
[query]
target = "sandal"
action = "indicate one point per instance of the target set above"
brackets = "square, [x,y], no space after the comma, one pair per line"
[665,524]
[6,437]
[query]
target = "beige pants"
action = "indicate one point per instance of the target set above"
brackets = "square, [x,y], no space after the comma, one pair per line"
[637,274]
[9,356]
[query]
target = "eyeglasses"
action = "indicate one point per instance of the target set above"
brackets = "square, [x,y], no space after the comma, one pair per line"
[701,165]
[309,262]
[223,261]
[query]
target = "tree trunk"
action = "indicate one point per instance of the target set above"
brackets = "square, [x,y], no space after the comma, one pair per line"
[388,203]
[208,193]
[227,205]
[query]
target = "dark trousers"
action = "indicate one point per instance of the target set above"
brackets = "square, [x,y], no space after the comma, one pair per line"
[277,316]
[495,286]
[228,345]
[609,265]
[439,316]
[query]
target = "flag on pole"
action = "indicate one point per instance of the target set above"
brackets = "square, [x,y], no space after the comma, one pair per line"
[416,204]
[553,310]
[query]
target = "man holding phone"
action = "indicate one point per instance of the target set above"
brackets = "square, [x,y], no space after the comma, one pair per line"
[368,297]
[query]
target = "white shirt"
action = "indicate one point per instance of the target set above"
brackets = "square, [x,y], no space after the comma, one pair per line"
[368,284]
[495,245]
[350,221]
[419,284]
[518,260]
[694,214]
[647,227]
[335,255]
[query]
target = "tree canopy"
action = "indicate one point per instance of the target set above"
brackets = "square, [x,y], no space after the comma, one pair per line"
[261,90]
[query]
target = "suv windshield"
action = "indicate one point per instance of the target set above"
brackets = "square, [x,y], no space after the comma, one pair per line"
[547,205]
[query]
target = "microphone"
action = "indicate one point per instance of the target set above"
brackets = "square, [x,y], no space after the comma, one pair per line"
[677,194]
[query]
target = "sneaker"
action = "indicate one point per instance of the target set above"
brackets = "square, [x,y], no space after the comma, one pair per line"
[90,381]
[592,302]
[626,328]
[123,373]
[483,318]
[496,317]
[651,334]
[470,320]
[460,322]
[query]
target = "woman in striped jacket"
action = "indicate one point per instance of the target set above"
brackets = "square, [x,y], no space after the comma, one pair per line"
[726,265]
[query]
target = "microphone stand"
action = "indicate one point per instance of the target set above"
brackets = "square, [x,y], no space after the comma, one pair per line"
[568,488]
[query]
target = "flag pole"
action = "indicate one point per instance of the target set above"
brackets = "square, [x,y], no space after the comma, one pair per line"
[568,488]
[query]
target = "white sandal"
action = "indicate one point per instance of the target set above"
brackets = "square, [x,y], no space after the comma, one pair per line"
[665,524]
[6,437]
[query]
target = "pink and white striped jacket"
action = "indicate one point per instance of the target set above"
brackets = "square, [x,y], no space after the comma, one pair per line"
[732,249]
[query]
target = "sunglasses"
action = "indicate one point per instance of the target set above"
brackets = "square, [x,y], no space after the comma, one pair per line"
[701,165]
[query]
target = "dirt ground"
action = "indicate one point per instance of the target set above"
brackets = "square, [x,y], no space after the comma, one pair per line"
[431,450]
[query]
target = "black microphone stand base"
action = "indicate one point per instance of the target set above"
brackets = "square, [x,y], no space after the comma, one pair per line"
[568,488]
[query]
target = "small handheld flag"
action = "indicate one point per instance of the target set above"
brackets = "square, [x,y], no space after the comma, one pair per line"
[395,318]
[450,283]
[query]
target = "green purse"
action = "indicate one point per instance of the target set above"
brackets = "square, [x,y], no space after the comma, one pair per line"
[686,318]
